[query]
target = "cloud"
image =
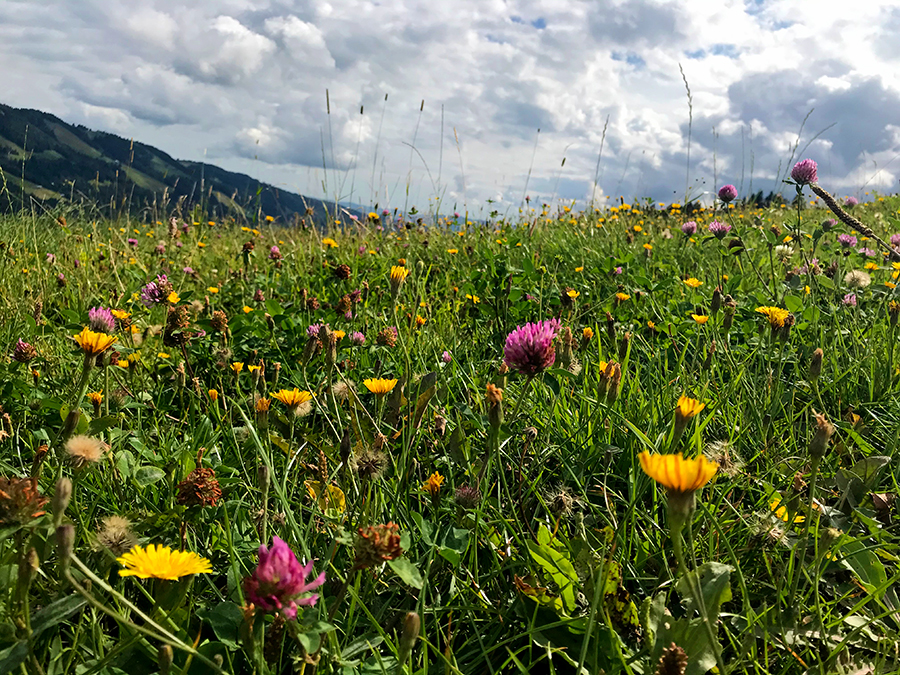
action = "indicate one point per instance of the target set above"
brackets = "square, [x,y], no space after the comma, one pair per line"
[243,83]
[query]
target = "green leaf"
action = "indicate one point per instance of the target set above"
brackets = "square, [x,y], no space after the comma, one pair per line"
[55,613]
[408,572]
[102,424]
[559,568]
[12,657]
[714,584]
[225,619]
[147,475]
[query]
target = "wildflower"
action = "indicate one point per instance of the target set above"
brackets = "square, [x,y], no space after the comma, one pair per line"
[781,511]
[673,661]
[689,228]
[387,337]
[247,309]
[20,500]
[681,477]
[857,279]
[719,229]
[775,315]
[213,395]
[275,253]
[279,582]
[237,367]
[728,193]
[446,357]
[161,562]
[529,348]
[379,386]
[376,544]
[452,251]
[116,536]
[805,172]
[398,276]
[293,398]
[818,446]
[357,339]
[693,282]
[847,240]
[849,300]
[850,202]
[868,252]
[342,272]
[23,352]
[572,293]
[467,497]
[433,485]
[92,343]
[156,292]
[200,488]
[700,318]
[212,290]
[84,450]
[101,320]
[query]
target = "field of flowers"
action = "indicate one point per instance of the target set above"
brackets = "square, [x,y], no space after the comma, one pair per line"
[648,438]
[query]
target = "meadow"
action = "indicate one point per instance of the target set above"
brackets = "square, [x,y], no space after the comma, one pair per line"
[643,438]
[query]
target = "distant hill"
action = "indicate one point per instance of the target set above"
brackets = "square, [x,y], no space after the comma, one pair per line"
[64,163]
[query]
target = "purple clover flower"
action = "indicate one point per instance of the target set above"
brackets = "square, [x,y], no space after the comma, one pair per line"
[156,292]
[357,339]
[850,299]
[529,348]
[719,229]
[805,171]
[447,357]
[850,202]
[23,352]
[132,241]
[101,320]
[895,240]
[278,584]
[313,331]
[728,193]
[689,228]
[846,240]
[274,253]
[618,270]
[868,252]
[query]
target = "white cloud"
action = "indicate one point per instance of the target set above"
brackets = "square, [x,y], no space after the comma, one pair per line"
[242,82]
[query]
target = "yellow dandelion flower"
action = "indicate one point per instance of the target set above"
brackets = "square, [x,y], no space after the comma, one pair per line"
[95,397]
[379,386]
[92,343]
[871,266]
[700,318]
[399,274]
[433,485]
[677,474]
[622,297]
[120,314]
[474,298]
[292,397]
[173,298]
[693,282]
[247,309]
[237,367]
[212,290]
[161,562]
[163,355]
[452,251]
[213,395]
[573,294]
[579,269]
[775,315]
[688,407]
[329,242]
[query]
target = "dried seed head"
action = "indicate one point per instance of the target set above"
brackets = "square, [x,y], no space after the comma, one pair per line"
[200,488]
[84,450]
[673,661]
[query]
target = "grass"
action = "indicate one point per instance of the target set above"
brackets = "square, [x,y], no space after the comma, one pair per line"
[540,546]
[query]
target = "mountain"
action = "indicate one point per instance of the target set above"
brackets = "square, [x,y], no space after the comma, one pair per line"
[49,160]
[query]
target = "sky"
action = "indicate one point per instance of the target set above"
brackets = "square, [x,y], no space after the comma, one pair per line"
[476,104]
